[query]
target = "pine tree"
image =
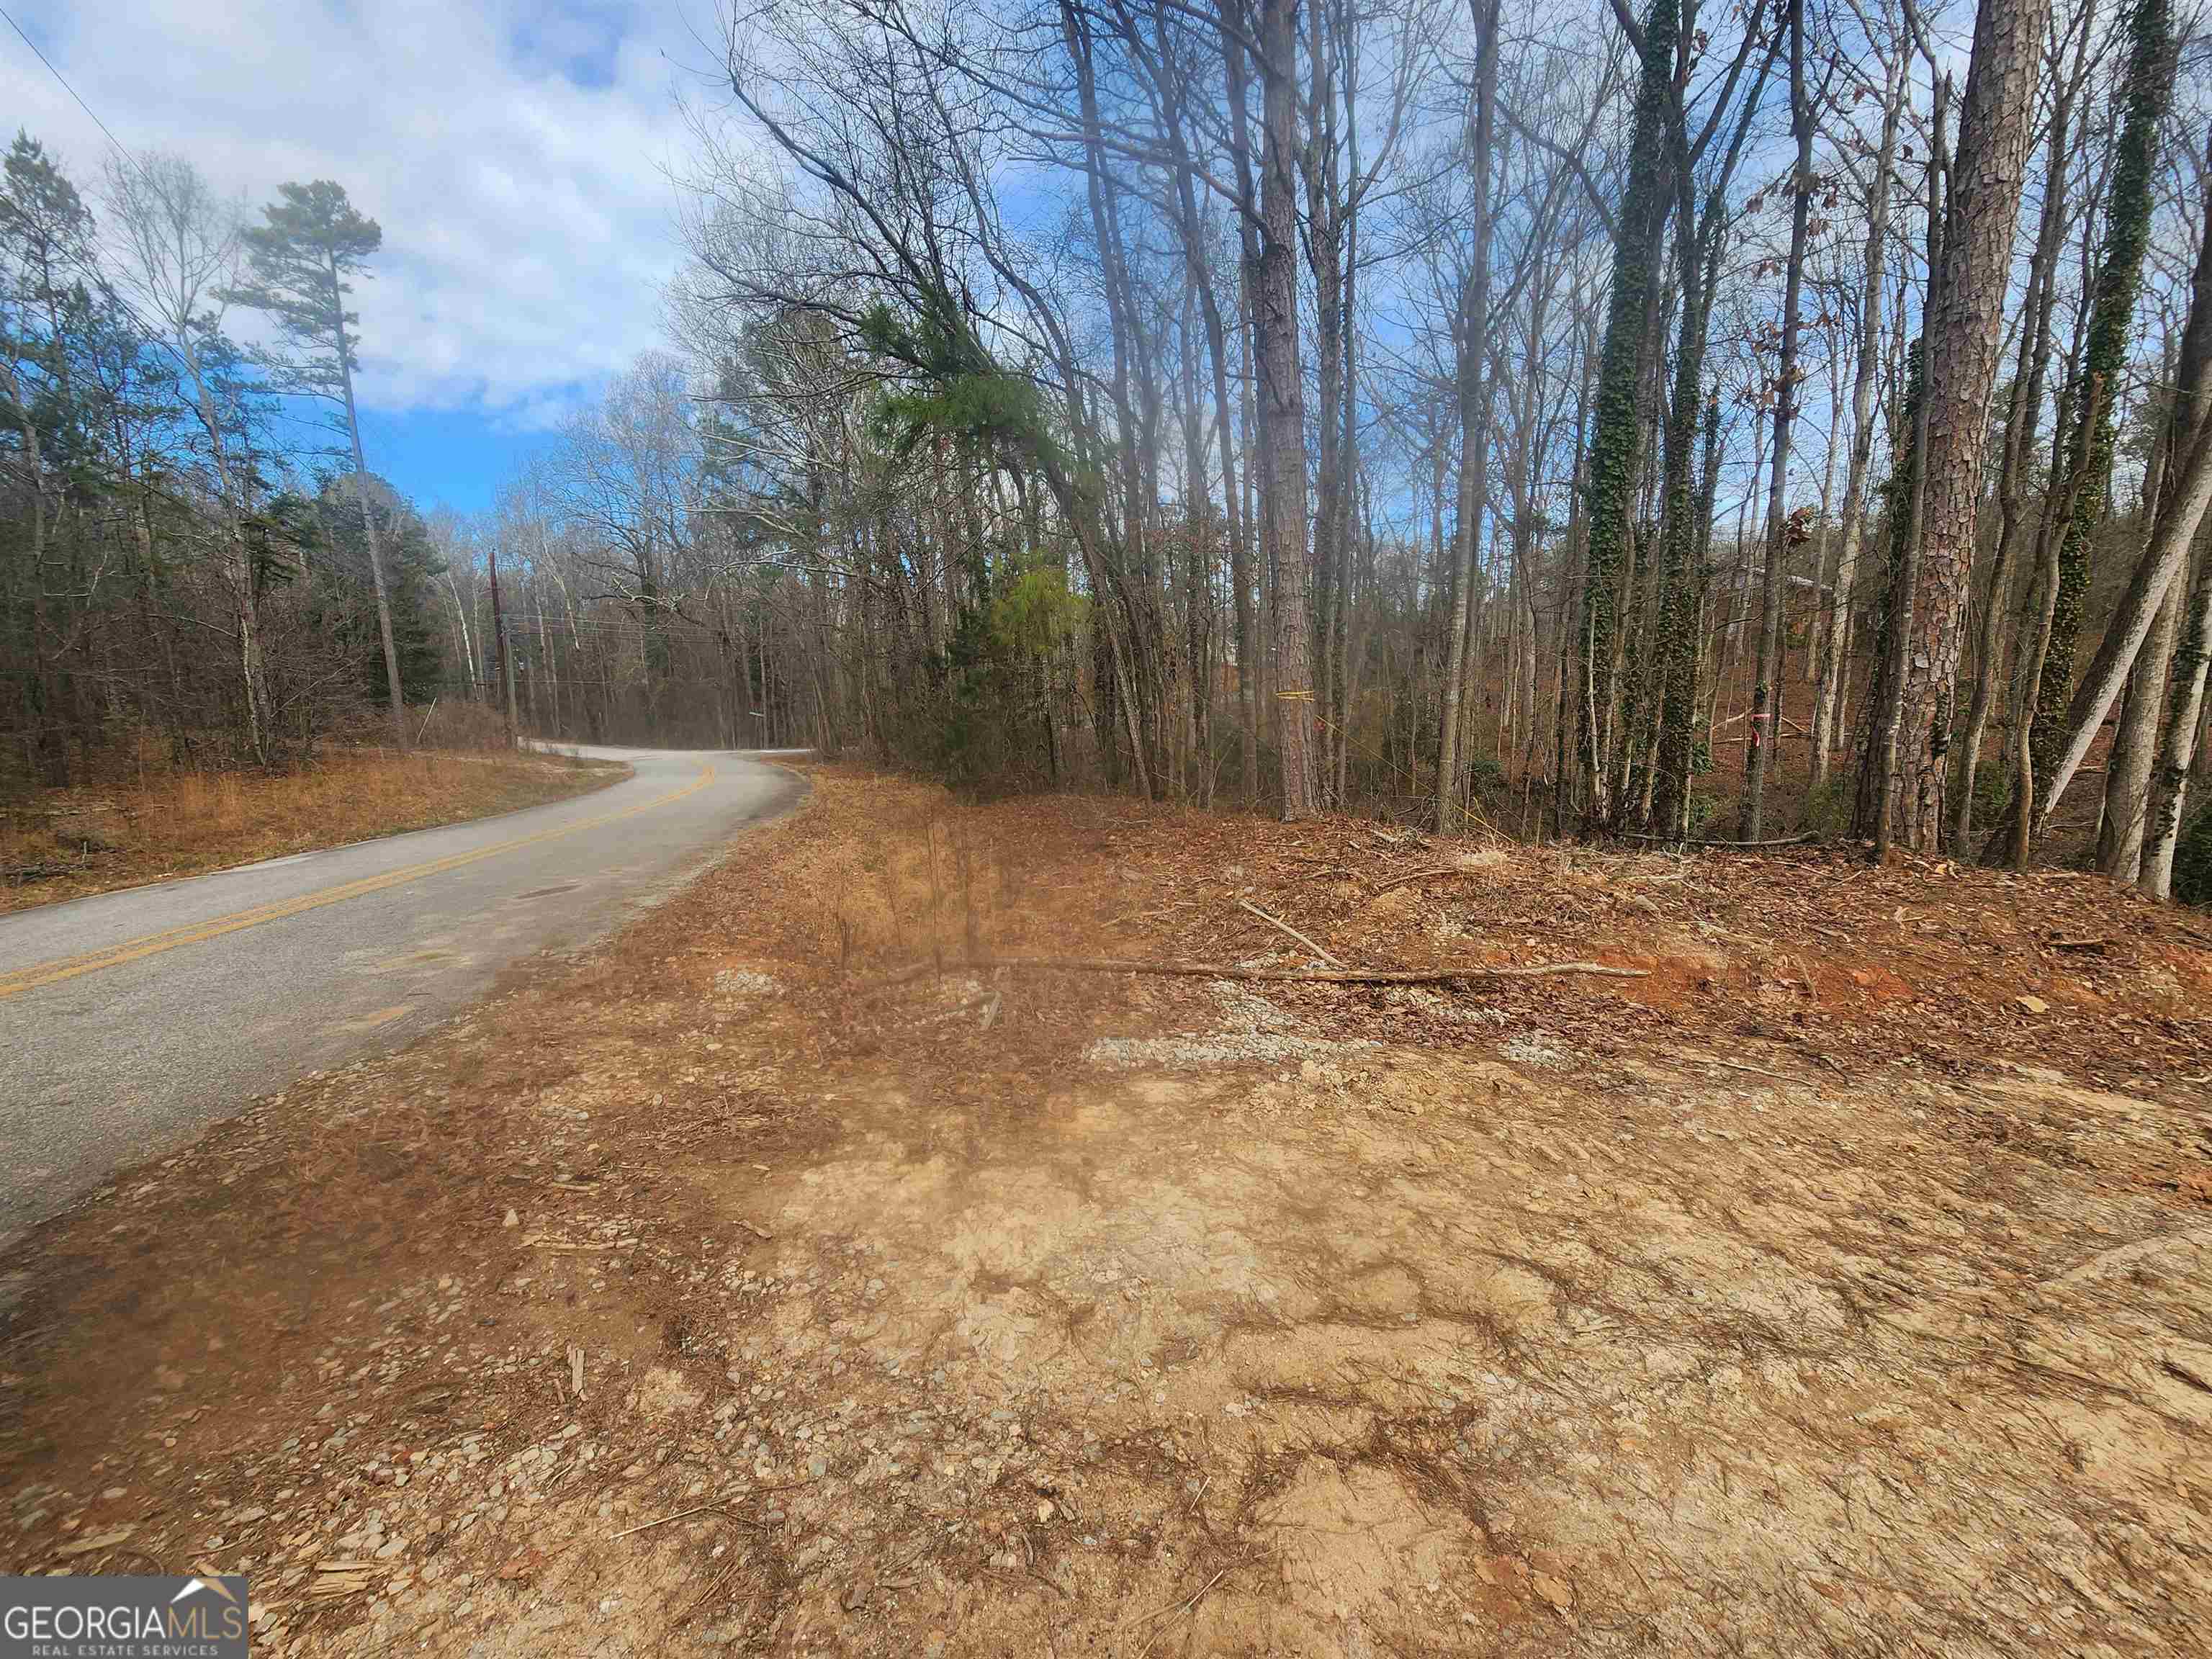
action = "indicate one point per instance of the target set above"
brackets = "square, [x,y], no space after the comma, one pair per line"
[303,260]
[1965,330]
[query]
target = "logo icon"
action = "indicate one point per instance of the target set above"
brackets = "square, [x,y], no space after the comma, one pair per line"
[124,1617]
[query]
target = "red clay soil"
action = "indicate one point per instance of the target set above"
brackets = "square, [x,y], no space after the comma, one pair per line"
[1840,1283]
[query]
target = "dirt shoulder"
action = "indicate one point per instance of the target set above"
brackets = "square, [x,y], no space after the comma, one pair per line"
[1839,1283]
[68,843]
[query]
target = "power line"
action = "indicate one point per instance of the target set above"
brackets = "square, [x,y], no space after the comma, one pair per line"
[63,80]
[128,310]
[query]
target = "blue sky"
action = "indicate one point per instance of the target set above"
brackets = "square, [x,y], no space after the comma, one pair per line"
[457,457]
[516,152]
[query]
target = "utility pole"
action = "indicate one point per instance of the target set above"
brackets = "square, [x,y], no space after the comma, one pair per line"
[502,659]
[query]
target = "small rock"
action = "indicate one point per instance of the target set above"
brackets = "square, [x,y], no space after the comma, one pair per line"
[510,1220]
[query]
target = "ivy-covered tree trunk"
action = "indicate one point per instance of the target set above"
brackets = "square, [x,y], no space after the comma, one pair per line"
[1616,445]
[2060,715]
[1681,636]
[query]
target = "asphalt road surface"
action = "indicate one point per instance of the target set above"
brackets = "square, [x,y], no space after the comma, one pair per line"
[130,1020]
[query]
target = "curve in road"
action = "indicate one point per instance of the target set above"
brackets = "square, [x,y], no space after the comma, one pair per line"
[129,1021]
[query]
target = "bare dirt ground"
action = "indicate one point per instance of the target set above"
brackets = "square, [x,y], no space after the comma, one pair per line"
[1842,1284]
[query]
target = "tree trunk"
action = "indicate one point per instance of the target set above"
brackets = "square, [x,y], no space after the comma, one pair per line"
[369,522]
[1827,702]
[1765,723]
[1964,331]
[2167,554]
[1324,243]
[1474,405]
[2025,413]
[1216,347]
[1282,394]
[1681,633]
[1347,454]
[1149,688]
[1912,497]
[2135,742]
[2058,733]
[1615,447]
[2177,752]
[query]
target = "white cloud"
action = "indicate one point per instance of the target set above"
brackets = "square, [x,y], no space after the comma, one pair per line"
[517,156]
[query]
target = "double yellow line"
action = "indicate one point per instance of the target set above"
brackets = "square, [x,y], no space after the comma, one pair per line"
[152,945]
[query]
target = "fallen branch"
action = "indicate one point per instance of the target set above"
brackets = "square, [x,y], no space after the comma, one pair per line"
[707,1595]
[1446,976]
[1147,915]
[1423,875]
[538,1240]
[714,1508]
[1186,1603]
[1776,841]
[1277,921]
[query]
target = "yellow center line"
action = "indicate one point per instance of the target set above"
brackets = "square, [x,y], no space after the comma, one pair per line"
[115,956]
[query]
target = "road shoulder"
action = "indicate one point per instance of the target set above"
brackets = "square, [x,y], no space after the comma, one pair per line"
[72,844]
[739,1283]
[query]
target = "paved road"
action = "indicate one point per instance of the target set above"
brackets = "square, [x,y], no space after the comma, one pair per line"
[130,1020]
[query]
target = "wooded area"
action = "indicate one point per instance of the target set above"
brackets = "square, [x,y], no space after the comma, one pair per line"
[1675,422]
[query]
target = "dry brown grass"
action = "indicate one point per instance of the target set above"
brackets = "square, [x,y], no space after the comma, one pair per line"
[63,844]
